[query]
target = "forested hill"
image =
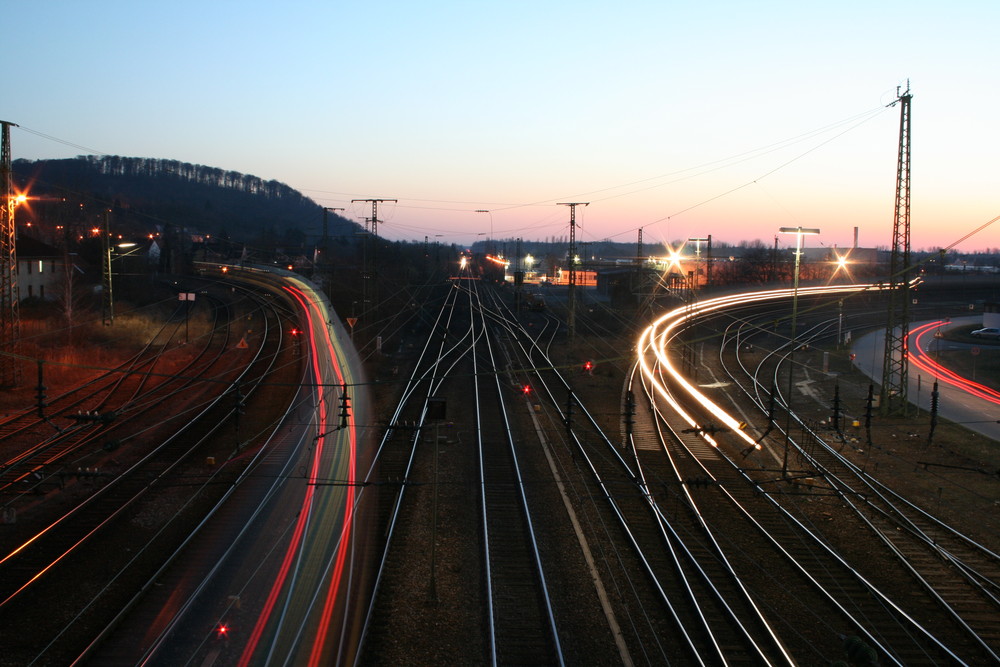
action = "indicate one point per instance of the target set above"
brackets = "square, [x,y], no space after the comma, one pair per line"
[150,191]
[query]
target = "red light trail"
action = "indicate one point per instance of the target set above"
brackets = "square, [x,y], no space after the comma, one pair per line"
[926,363]
[309,500]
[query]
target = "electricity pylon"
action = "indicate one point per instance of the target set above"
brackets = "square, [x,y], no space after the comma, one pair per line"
[371,263]
[10,319]
[895,363]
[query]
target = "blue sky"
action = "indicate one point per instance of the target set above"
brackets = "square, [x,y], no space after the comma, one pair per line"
[685,119]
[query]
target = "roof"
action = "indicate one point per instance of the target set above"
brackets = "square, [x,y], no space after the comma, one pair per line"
[29,248]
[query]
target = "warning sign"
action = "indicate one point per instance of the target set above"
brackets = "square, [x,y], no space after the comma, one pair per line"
[242,345]
[351,321]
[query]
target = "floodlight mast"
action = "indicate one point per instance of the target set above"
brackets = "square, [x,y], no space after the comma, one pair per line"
[799,233]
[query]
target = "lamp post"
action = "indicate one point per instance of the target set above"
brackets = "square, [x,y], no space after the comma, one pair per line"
[108,309]
[697,256]
[799,232]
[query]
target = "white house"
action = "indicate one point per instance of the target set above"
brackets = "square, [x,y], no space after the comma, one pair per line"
[40,269]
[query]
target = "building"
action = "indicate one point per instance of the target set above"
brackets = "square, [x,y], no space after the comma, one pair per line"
[40,270]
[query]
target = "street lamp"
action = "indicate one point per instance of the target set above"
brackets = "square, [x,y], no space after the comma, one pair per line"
[799,233]
[108,310]
[697,256]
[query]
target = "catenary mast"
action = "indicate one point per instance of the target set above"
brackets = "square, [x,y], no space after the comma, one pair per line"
[10,320]
[895,363]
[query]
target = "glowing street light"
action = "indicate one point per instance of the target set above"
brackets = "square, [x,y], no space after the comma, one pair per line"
[108,298]
[840,263]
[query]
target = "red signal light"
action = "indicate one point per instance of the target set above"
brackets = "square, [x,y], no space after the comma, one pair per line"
[223,631]
[588,366]
[526,389]
[295,332]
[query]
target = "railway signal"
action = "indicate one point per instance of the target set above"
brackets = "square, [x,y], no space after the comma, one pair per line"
[95,416]
[345,406]
[629,415]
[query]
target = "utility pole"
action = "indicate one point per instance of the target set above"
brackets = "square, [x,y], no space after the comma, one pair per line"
[638,249]
[107,283]
[371,263]
[518,277]
[708,262]
[572,264]
[697,262]
[10,318]
[895,363]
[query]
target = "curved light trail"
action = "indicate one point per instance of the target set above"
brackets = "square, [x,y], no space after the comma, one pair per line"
[924,362]
[657,336]
[314,563]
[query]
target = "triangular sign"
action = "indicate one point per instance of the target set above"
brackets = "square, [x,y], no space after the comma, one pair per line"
[242,345]
[351,321]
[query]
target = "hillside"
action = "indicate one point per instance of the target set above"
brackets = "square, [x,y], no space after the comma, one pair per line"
[148,194]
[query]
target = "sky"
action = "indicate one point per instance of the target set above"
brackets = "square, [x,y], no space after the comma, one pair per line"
[682,119]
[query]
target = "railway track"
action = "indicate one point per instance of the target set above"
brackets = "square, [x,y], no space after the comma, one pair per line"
[903,632]
[458,366]
[956,570]
[41,552]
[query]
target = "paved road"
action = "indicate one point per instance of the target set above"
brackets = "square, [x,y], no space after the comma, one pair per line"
[955,404]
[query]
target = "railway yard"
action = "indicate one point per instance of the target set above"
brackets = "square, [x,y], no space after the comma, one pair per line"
[531,498]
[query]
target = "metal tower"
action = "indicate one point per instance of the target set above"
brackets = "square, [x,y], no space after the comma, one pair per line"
[895,363]
[10,318]
[571,320]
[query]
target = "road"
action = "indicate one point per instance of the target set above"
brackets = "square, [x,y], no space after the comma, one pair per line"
[956,403]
